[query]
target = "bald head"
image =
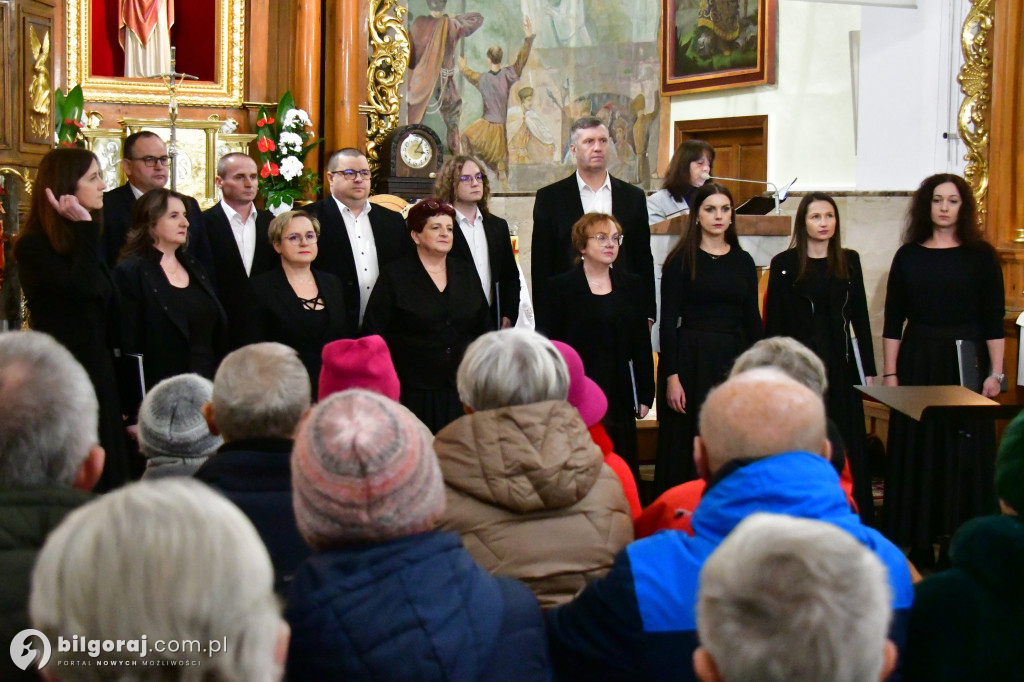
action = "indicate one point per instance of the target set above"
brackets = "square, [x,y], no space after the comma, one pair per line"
[759,413]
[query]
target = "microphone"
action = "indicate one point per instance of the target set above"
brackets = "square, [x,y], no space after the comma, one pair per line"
[775,190]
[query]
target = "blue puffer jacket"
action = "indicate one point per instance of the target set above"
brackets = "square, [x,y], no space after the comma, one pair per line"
[416,608]
[640,622]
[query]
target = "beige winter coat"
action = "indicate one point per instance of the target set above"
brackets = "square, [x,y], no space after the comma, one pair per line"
[530,494]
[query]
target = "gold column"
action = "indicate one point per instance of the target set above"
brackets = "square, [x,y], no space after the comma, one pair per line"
[306,69]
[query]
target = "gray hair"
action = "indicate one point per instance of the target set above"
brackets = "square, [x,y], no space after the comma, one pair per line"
[582,124]
[789,355]
[49,416]
[196,572]
[511,367]
[260,391]
[784,599]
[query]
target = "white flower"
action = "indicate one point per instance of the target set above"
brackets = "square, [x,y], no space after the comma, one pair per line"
[295,115]
[280,208]
[289,140]
[291,168]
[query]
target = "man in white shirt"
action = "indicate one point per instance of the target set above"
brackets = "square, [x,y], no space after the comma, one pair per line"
[239,242]
[356,238]
[591,189]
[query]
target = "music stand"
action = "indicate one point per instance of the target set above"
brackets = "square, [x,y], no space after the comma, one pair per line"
[939,402]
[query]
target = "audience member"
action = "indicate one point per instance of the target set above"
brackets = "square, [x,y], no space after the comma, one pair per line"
[49,459]
[167,560]
[260,393]
[358,363]
[785,599]
[527,487]
[386,597]
[762,447]
[968,622]
[173,436]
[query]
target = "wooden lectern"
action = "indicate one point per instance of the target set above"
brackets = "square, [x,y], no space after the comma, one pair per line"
[939,402]
[746,225]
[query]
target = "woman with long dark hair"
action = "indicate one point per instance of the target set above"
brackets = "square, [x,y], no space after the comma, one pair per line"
[688,170]
[709,316]
[946,284]
[68,288]
[816,295]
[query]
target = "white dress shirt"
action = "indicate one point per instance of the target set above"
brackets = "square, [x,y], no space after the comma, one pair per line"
[364,251]
[244,232]
[599,201]
[474,233]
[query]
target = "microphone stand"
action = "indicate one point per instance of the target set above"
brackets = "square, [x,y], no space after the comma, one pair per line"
[775,190]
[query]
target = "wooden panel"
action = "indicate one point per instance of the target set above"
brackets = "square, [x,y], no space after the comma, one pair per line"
[1006,149]
[741,149]
[36,87]
[9,57]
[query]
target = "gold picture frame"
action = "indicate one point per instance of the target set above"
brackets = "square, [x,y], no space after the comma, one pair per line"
[226,91]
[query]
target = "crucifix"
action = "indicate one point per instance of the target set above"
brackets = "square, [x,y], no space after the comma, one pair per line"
[173,79]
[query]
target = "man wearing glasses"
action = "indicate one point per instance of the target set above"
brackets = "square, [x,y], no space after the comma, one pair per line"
[357,239]
[147,166]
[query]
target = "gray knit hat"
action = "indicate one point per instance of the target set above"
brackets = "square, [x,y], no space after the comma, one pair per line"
[364,470]
[171,422]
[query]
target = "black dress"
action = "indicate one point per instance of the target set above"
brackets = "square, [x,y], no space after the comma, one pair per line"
[818,311]
[427,332]
[940,474]
[284,317]
[608,332]
[705,323]
[72,298]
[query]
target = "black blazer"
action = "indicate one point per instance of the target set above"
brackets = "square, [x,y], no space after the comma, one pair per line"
[567,318]
[231,279]
[789,312]
[558,207]
[390,236]
[504,272]
[150,326]
[280,317]
[427,330]
[117,220]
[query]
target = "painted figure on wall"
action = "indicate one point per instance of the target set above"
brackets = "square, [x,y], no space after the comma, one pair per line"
[533,141]
[562,23]
[487,138]
[144,31]
[722,37]
[432,66]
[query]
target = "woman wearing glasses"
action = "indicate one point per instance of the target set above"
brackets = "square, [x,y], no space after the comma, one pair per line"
[597,310]
[709,316]
[428,308]
[295,304]
[481,238]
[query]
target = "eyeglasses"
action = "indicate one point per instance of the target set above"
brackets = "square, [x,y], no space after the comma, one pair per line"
[152,161]
[603,239]
[351,174]
[466,179]
[295,238]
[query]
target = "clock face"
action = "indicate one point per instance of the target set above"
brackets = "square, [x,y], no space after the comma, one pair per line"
[416,151]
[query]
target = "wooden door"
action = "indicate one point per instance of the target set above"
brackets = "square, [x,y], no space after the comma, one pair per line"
[741,150]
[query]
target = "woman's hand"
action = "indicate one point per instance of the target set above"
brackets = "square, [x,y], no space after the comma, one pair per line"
[890,380]
[643,411]
[991,388]
[68,207]
[675,395]
[869,381]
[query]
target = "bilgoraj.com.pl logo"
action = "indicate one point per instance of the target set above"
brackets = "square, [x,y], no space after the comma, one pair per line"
[33,647]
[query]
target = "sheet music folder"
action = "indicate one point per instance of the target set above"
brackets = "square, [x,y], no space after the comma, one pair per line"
[757,206]
[943,402]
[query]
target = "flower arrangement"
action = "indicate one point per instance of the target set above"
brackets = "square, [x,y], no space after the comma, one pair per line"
[283,142]
[69,109]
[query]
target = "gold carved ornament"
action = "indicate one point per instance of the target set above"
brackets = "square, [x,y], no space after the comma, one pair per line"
[39,89]
[389,60]
[976,83]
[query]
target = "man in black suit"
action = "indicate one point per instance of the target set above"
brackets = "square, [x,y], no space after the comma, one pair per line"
[590,189]
[147,166]
[357,239]
[239,243]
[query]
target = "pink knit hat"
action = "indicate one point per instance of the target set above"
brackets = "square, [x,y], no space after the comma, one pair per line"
[358,363]
[364,470]
[584,393]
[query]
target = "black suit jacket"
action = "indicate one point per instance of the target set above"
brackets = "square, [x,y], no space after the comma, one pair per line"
[117,220]
[232,282]
[504,272]
[390,236]
[281,317]
[558,207]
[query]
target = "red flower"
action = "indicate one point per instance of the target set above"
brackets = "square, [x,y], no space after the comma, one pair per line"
[72,122]
[270,168]
[265,144]
[265,121]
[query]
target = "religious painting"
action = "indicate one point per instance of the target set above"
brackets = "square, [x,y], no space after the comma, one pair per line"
[503,81]
[716,44]
[118,49]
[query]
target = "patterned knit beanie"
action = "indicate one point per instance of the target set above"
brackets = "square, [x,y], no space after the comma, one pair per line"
[1010,465]
[364,470]
[171,422]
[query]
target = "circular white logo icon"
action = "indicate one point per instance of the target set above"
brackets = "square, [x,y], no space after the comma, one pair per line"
[23,653]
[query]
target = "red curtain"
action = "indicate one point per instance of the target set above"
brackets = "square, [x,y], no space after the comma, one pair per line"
[194,34]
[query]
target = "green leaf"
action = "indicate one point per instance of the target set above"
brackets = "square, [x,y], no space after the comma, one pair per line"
[287,102]
[76,100]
